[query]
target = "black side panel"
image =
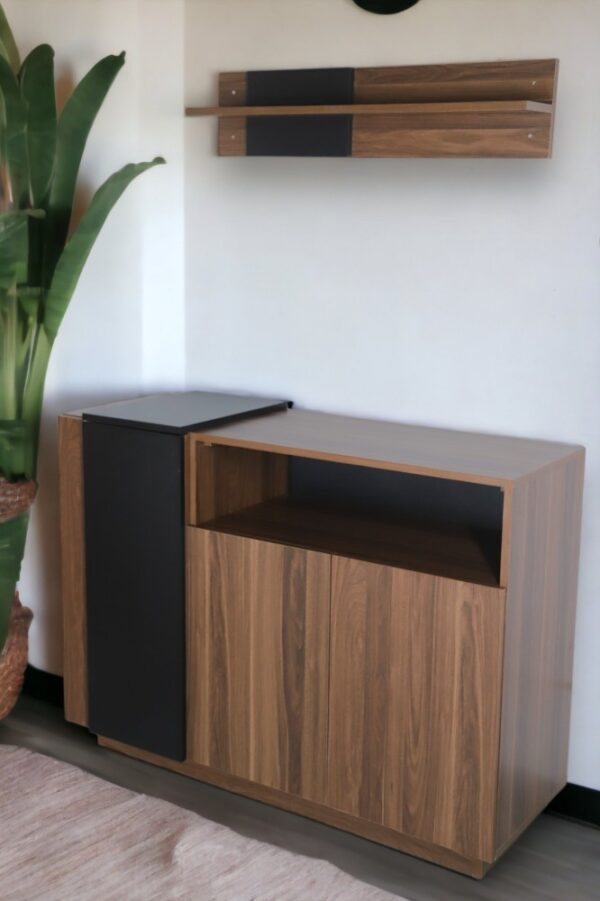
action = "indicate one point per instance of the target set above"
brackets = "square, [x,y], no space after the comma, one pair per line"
[299,135]
[134,538]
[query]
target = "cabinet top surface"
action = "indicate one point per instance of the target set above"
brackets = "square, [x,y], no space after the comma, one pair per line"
[181,412]
[467,456]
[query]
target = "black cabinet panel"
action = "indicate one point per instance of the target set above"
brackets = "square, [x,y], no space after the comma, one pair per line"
[134,525]
[297,87]
[299,135]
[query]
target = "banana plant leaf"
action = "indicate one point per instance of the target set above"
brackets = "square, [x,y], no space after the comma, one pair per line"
[8,47]
[37,89]
[78,248]
[12,545]
[74,126]
[13,136]
[40,157]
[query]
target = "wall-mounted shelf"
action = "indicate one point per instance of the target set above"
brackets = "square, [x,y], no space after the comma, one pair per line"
[502,109]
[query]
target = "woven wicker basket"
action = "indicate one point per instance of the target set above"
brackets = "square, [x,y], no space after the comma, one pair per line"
[16,498]
[13,659]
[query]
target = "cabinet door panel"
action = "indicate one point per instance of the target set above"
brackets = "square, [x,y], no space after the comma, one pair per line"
[259,660]
[414,703]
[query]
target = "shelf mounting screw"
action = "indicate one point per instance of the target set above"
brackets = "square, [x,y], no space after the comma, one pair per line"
[534,82]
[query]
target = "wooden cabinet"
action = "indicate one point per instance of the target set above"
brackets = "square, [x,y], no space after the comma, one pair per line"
[258,646]
[379,625]
[416,675]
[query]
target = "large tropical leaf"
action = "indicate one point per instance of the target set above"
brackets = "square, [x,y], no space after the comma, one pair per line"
[78,248]
[13,129]
[8,47]
[74,127]
[13,249]
[12,545]
[14,246]
[37,90]
[14,440]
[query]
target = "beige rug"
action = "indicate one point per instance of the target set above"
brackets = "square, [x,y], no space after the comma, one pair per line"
[69,836]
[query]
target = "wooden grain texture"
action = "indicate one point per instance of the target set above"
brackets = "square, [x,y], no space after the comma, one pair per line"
[454,113]
[465,456]
[229,479]
[477,110]
[258,651]
[232,137]
[538,659]
[415,704]
[458,552]
[232,133]
[507,80]
[472,135]
[311,809]
[233,88]
[72,558]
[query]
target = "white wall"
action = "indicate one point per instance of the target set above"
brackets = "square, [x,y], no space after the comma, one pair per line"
[458,293]
[123,334]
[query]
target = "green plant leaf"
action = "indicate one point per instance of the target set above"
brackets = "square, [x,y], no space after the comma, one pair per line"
[14,246]
[13,132]
[9,48]
[12,547]
[37,90]
[74,126]
[13,249]
[14,438]
[78,248]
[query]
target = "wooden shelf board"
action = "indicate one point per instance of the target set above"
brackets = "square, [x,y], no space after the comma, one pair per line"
[449,551]
[422,450]
[492,107]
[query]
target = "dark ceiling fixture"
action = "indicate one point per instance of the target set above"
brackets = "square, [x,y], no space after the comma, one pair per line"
[385,7]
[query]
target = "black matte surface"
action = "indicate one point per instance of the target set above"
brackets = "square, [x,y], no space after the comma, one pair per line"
[183,412]
[297,87]
[385,7]
[577,803]
[402,495]
[324,136]
[134,539]
[44,686]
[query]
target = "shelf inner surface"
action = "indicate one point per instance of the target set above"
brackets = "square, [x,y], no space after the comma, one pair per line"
[450,551]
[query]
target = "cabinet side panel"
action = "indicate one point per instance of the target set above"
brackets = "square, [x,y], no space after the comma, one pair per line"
[134,531]
[538,656]
[72,560]
[258,633]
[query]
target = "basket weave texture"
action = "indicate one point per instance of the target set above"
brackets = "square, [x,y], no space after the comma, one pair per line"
[16,498]
[13,659]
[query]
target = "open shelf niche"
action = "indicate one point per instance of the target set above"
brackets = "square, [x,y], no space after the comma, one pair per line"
[432,525]
[499,109]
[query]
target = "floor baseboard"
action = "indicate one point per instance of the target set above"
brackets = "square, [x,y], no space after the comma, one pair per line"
[43,686]
[577,803]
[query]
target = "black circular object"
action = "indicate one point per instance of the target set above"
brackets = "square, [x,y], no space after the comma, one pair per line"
[385,7]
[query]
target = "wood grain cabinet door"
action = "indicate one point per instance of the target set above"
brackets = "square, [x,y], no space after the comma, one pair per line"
[258,660]
[415,703]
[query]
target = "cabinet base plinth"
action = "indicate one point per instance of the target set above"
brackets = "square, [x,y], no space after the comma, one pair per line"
[382,835]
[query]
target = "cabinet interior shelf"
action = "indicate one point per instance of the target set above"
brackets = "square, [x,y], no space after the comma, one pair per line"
[499,109]
[443,549]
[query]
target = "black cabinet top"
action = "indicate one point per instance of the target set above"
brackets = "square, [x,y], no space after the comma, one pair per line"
[182,412]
